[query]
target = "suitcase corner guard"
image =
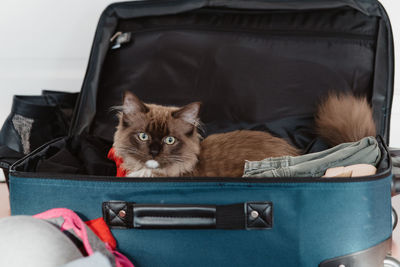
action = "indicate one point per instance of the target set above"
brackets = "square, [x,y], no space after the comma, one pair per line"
[248,215]
[371,257]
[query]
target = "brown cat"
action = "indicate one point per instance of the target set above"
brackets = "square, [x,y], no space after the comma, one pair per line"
[160,141]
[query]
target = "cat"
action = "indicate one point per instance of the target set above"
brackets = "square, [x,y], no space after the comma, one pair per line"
[164,141]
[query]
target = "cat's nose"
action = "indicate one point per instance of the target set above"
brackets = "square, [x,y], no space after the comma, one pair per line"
[155,149]
[154,152]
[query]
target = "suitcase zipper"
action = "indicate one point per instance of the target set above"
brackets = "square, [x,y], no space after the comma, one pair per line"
[283,33]
[120,37]
[57,176]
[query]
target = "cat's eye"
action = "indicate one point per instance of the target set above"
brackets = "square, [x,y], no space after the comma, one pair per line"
[143,136]
[169,140]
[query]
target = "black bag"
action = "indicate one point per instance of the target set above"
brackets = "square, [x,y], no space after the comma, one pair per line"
[33,121]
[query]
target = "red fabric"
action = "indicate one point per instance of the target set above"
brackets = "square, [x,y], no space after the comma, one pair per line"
[118,161]
[100,228]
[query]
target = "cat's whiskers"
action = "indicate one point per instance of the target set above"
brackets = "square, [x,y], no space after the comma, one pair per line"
[157,122]
[178,158]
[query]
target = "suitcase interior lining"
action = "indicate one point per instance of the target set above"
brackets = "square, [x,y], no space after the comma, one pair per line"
[257,70]
[247,69]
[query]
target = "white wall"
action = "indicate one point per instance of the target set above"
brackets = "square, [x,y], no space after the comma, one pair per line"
[45,44]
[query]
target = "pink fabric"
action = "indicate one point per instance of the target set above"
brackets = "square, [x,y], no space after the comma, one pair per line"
[71,221]
[74,222]
[120,259]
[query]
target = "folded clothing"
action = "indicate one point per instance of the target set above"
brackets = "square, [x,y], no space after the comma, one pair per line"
[356,170]
[365,151]
[89,243]
[57,237]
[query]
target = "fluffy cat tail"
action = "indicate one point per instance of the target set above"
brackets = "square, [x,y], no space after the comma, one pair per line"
[344,118]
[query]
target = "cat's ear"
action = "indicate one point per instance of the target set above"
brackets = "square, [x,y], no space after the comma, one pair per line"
[132,104]
[189,113]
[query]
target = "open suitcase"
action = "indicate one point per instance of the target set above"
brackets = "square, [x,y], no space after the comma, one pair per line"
[257,64]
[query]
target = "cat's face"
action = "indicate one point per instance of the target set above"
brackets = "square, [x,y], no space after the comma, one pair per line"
[156,140]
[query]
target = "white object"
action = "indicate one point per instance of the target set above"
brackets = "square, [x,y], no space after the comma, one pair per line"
[152,164]
[27,241]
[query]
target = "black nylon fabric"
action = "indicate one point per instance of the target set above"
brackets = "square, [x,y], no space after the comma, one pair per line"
[71,155]
[372,11]
[246,68]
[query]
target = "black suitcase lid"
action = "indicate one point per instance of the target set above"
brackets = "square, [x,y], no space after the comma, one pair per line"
[254,64]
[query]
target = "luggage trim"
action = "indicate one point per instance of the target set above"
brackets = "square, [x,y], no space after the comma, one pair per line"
[371,257]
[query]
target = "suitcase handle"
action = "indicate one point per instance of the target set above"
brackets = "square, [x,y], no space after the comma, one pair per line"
[395,185]
[394,158]
[128,215]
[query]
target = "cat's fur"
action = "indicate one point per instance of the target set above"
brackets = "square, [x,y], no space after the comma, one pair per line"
[344,118]
[339,118]
[158,122]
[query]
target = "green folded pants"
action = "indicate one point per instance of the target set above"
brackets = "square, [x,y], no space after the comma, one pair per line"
[365,151]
